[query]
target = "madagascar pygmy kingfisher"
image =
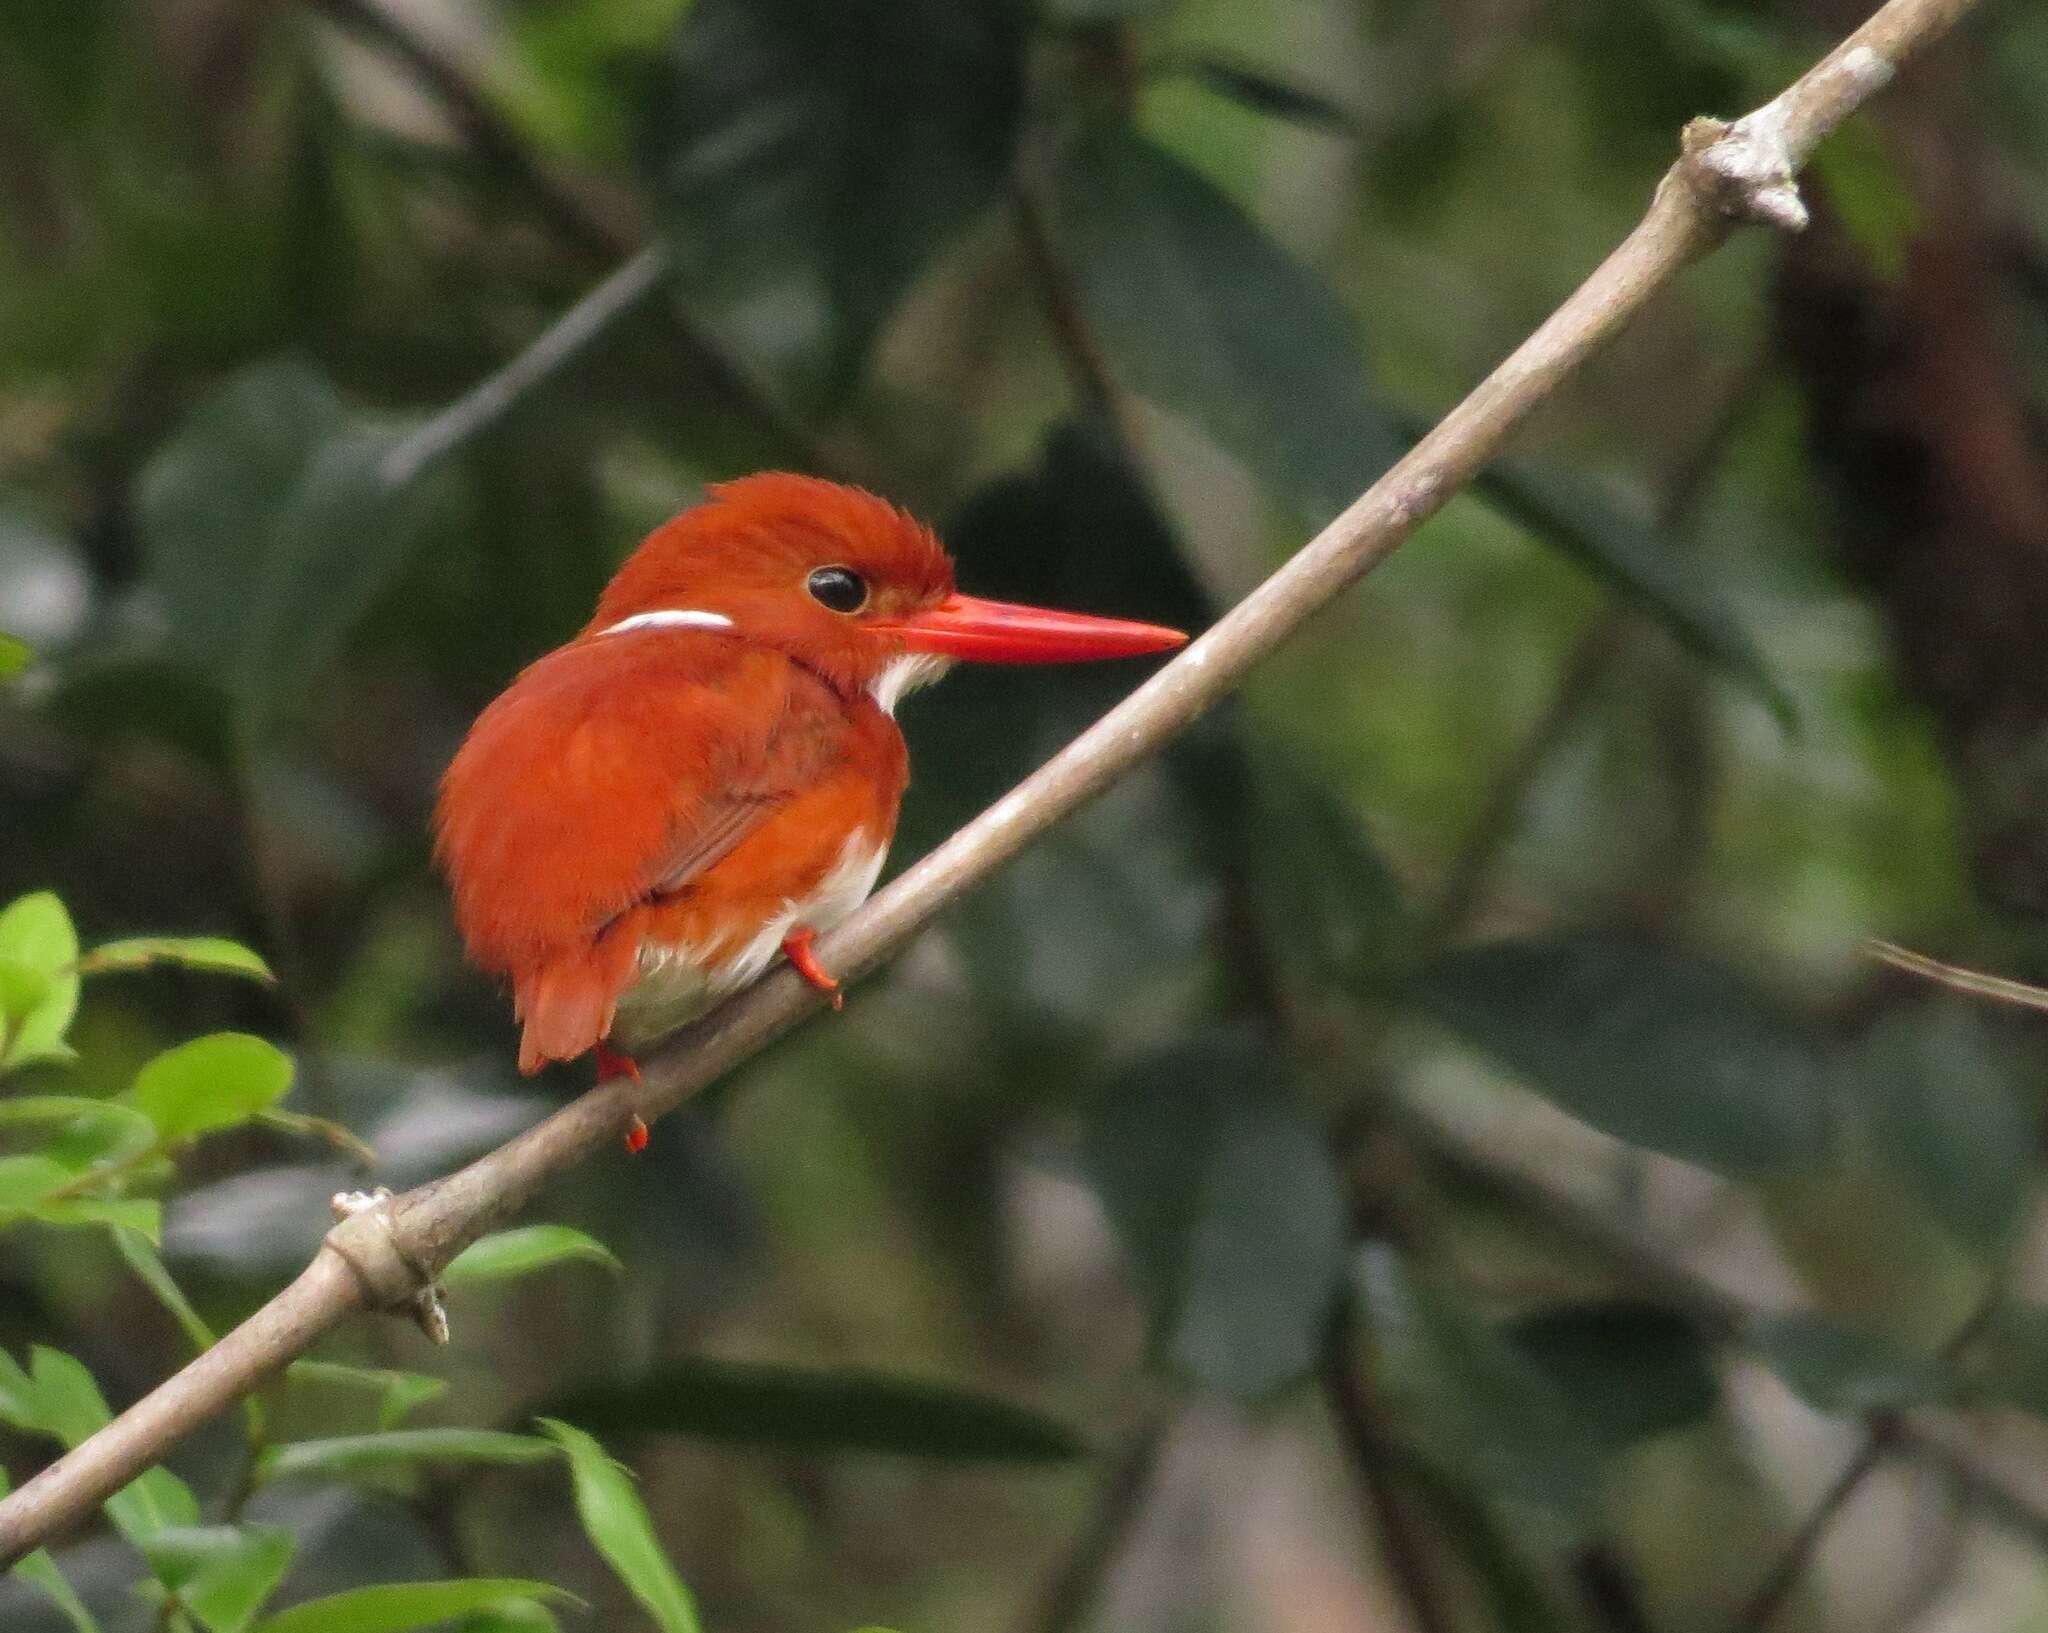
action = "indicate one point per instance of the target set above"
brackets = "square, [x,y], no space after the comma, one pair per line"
[709,773]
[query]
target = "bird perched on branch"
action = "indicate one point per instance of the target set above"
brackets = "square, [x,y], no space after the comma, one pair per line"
[709,773]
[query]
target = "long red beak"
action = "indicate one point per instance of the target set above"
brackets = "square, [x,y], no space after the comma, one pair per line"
[965,626]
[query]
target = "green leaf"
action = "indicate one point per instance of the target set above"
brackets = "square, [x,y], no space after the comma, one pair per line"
[1473,1403]
[512,1253]
[40,1571]
[1199,309]
[616,1522]
[65,1402]
[1327,900]
[36,937]
[1643,1041]
[1634,559]
[838,1410]
[15,656]
[222,1574]
[2006,1364]
[398,1393]
[139,1249]
[26,1180]
[1952,1113]
[213,953]
[1227,1204]
[18,1404]
[274,487]
[1632,1371]
[123,1132]
[513,1616]
[816,158]
[406,1607]
[349,1457]
[214,1082]
[1844,1372]
[139,1214]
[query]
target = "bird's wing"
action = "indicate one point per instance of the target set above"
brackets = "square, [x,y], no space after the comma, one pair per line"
[714,825]
[615,770]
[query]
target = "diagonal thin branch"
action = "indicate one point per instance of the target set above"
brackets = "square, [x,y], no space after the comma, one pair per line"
[378,1257]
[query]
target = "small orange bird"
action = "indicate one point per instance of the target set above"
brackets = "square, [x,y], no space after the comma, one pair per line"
[710,771]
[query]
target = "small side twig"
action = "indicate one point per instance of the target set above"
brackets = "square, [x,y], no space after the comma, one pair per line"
[1362,1438]
[1958,978]
[1074,1588]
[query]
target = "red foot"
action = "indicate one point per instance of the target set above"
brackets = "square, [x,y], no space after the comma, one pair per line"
[796,947]
[612,1065]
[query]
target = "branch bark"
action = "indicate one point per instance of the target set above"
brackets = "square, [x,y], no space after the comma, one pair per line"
[382,1256]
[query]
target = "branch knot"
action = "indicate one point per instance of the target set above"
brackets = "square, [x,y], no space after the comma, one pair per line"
[1745,171]
[392,1277]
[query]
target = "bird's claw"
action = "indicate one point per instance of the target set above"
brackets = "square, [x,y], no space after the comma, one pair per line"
[797,947]
[612,1065]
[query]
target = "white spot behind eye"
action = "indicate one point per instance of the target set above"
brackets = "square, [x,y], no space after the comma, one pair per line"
[670,618]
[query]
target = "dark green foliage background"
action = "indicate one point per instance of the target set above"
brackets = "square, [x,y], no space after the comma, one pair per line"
[1428,1151]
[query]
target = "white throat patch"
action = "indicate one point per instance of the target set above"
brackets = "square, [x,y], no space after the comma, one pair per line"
[670,618]
[904,675]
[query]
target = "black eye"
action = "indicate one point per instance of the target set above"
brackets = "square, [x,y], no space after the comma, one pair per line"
[840,589]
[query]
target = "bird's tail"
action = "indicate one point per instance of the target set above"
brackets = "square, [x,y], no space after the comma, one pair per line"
[568,1001]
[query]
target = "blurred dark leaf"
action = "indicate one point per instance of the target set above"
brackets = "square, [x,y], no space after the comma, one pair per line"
[1184,289]
[270,526]
[1264,92]
[1324,895]
[1642,1040]
[108,699]
[352,1457]
[222,1574]
[2008,1362]
[821,151]
[405,1608]
[817,1411]
[1952,1111]
[1632,1371]
[1637,561]
[1841,1371]
[1085,13]
[617,1524]
[58,49]
[1227,1203]
[1474,1403]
